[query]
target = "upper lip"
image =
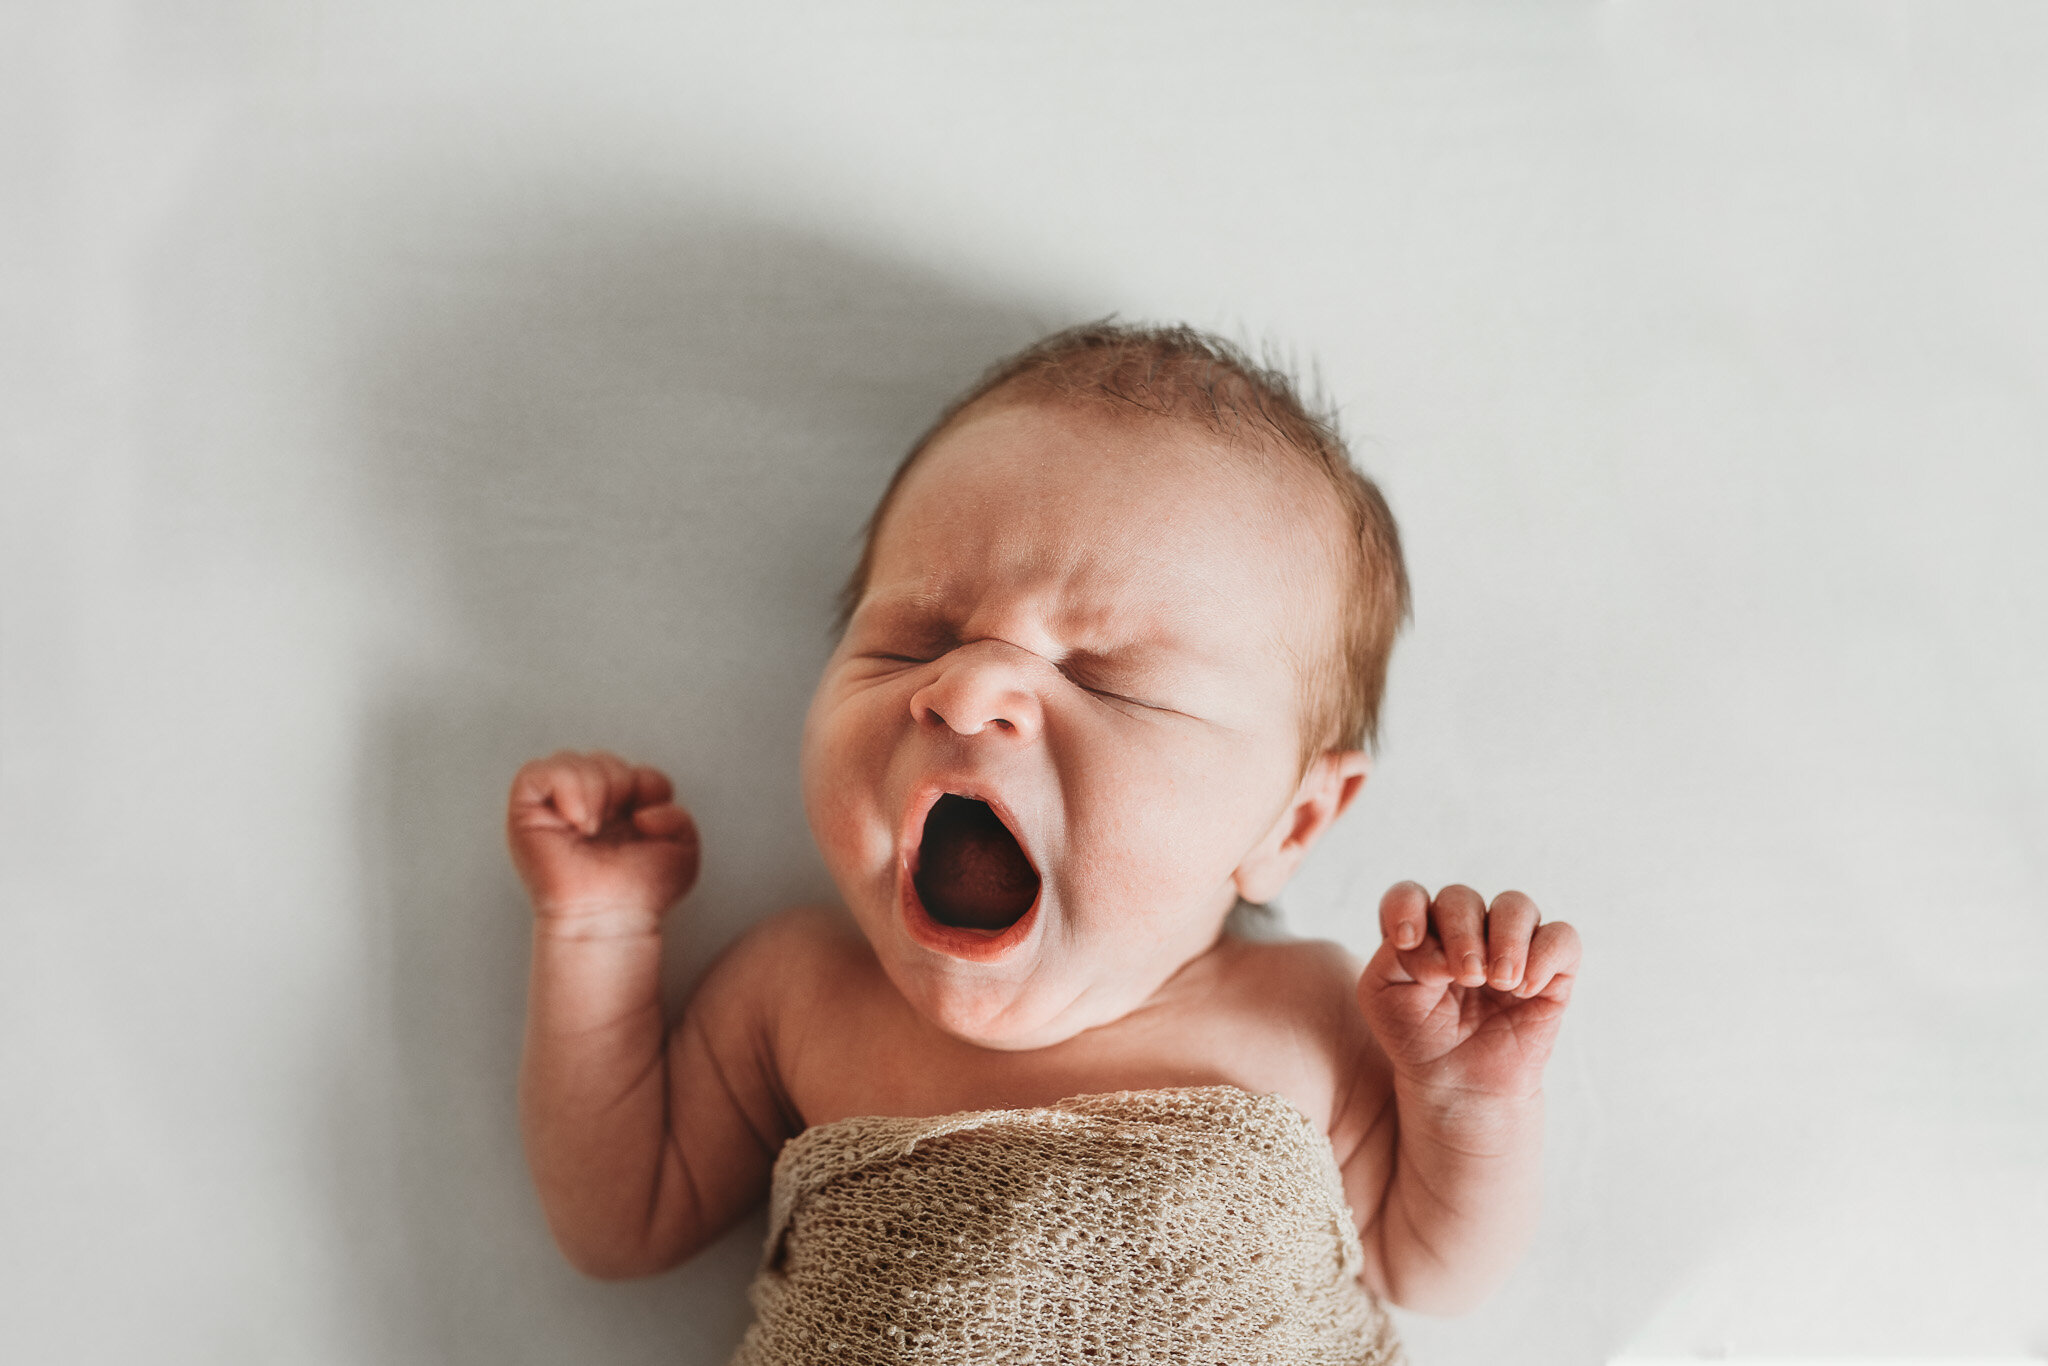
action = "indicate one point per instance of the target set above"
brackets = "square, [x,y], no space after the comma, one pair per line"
[926,795]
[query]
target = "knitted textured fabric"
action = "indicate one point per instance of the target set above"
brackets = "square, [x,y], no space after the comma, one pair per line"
[1195,1225]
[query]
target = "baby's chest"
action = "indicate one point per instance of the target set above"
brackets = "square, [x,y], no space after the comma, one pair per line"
[881,1067]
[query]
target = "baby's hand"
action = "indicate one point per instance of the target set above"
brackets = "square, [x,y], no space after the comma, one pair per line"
[1467,1000]
[598,842]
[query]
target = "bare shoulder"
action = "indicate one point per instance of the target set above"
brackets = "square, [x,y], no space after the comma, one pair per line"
[1306,991]
[1307,979]
[794,952]
[798,934]
[803,988]
[740,1022]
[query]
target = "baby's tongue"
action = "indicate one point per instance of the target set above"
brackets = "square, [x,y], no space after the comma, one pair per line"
[970,872]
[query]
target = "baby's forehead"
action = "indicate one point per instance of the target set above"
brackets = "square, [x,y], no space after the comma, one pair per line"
[1124,513]
[1149,457]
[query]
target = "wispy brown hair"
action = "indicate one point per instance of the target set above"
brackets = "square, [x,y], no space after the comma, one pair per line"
[1181,374]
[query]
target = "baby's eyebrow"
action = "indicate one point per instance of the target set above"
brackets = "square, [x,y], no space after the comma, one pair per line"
[919,611]
[1133,653]
[1142,632]
[1136,658]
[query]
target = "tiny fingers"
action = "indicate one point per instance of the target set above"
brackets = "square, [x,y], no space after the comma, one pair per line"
[1404,914]
[1461,923]
[651,786]
[1553,962]
[1509,923]
[533,787]
[586,791]
[665,822]
[619,781]
[551,790]
[1456,937]
[580,792]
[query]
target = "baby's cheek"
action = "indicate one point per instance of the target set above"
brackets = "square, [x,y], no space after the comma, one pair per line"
[841,797]
[1211,813]
[1155,848]
[847,827]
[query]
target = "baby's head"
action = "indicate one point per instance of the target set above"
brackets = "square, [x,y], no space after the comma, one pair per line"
[1113,653]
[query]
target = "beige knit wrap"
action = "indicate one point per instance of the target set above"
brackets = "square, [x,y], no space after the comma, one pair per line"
[1196,1225]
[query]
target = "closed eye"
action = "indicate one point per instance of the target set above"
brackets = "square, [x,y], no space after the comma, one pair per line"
[1107,694]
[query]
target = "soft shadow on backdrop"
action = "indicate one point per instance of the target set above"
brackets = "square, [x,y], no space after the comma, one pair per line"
[618,451]
[630,448]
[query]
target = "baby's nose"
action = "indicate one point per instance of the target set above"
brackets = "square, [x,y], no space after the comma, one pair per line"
[982,688]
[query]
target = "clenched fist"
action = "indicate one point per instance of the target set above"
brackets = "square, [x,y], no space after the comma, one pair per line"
[1467,999]
[599,842]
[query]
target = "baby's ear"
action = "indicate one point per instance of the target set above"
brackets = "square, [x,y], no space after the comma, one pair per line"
[1332,780]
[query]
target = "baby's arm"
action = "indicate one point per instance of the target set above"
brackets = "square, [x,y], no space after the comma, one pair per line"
[1447,1177]
[643,1149]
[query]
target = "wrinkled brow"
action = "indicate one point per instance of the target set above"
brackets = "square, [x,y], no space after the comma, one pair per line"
[1102,636]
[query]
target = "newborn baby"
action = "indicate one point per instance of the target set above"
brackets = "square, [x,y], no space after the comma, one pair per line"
[1112,657]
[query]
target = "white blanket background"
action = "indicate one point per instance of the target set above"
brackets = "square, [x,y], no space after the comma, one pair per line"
[397,389]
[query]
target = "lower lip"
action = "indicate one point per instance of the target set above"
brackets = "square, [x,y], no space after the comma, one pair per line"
[973,946]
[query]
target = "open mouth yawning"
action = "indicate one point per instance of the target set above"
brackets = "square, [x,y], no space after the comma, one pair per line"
[971,872]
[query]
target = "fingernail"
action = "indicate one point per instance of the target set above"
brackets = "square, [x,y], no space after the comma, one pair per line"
[1406,937]
[1503,973]
[1475,966]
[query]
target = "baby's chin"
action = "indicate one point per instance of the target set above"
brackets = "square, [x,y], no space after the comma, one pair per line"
[1035,997]
[1000,1014]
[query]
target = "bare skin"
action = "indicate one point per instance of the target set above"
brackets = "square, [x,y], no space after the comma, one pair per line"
[1087,622]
